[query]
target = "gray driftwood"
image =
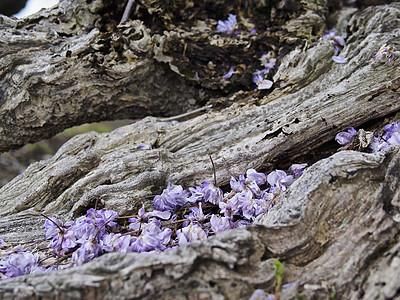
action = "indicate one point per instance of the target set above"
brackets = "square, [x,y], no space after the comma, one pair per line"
[336,228]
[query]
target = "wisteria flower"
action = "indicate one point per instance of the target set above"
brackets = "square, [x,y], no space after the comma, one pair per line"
[344,138]
[115,242]
[219,224]
[143,146]
[229,74]
[227,26]
[331,35]
[21,263]
[279,179]
[297,169]
[391,137]
[258,178]
[263,204]
[229,207]
[87,251]
[246,204]
[190,233]
[268,65]
[259,294]
[388,51]
[196,214]
[172,197]
[337,58]
[212,193]
[262,83]
[238,185]
[52,227]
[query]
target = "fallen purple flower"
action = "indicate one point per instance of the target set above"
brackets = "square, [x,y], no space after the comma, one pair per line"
[297,169]
[230,73]
[332,36]
[227,26]
[143,146]
[339,59]
[344,138]
[172,197]
[388,51]
[262,84]
[190,233]
[219,224]
[21,263]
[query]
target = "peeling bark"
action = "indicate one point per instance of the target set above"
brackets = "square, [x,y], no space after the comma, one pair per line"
[337,226]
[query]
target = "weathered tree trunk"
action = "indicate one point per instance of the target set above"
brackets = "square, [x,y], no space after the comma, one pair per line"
[337,226]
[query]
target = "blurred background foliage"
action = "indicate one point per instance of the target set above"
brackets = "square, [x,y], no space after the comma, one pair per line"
[15,162]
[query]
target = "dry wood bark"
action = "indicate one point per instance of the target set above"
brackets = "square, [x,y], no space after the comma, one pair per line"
[337,226]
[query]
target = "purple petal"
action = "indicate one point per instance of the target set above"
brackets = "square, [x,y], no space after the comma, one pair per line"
[339,40]
[229,74]
[339,59]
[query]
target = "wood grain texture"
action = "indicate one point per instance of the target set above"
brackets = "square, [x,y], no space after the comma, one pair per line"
[336,227]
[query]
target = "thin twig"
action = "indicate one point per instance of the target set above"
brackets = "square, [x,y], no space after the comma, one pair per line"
[187,114]
[59,259]
[215,174]
[127,12]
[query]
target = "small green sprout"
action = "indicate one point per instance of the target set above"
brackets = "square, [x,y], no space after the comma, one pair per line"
[279,271]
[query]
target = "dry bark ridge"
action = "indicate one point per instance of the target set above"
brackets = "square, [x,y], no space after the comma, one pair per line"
[335,228]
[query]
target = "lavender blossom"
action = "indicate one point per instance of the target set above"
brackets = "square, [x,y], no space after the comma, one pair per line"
[21,263]
[227,26]
[172,197]
[143,146]
[262,84]
[388,51]
[212,193]
[190,233]
[344,138]
[391,137]
[115,242]
[259,294]
[1,242]
[152,238]
[268,65]
[196,214]
[246,204]
[279,180]
[87,251]
[238,185]
[219,224]
[230,73]
[297,169]
[229,207]
[332,36]
[258,178]
[339,59]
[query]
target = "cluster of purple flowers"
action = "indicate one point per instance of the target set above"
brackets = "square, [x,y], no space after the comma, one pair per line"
[332,35]
[17,262]
[180,217]
[259,76]
[379,142]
